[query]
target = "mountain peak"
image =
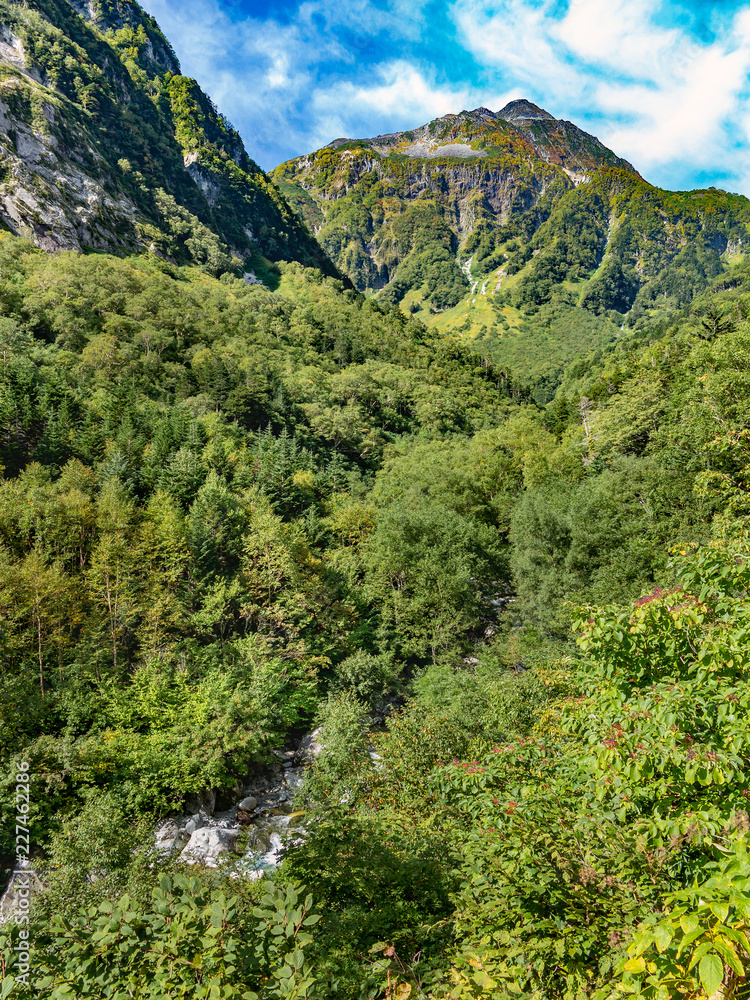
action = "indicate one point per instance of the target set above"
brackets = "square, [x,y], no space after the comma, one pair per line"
[522,111]
[483,113]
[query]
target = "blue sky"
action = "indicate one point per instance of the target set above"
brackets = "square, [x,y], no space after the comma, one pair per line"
[666,85]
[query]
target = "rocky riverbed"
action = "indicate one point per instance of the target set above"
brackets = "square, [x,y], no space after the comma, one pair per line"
[254,829]
[251,833]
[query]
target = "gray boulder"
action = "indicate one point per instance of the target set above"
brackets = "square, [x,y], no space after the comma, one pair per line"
[311,745]
[194,823]
[170,838]
[204,801]
[207,845]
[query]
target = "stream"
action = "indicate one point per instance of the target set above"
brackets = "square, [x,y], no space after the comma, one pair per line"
[254,831]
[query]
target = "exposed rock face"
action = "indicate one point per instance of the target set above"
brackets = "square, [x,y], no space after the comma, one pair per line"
[104,146]
[519,112]
[311,745]
[170,837]
[453,149]
[204,801]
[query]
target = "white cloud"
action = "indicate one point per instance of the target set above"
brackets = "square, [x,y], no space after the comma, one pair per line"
[515,38]
[653,93]
[400,92]
[618,35]
[685,118]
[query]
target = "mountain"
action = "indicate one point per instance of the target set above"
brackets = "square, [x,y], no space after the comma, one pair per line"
[106,146]
[515,229]
[380,206]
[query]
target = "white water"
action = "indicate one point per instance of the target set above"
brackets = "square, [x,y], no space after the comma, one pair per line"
[270,836]
[263,854]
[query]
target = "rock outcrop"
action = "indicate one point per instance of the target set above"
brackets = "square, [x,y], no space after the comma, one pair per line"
[105,146]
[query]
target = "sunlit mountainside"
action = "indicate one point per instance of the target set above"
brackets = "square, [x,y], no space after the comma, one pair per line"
[520,232]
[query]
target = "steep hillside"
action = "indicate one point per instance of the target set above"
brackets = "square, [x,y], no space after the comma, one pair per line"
[232,515]
[106,146]
[505,225]
[396,208]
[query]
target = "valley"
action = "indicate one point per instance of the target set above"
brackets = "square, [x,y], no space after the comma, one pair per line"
[374,546]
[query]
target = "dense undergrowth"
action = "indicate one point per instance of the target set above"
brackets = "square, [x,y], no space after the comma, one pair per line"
[226,513]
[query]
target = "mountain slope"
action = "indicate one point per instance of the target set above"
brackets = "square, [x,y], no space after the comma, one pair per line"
[104,145]
[375,203]
[482,220]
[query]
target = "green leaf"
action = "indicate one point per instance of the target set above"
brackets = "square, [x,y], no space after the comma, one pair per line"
[700,951]
[711,973]
[635,965]
[663,935]
[482,979]
[730,956]
[8,983]
[720,910]
[689,923]
[688,940]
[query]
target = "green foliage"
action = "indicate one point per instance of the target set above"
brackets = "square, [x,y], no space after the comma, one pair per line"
[418,249]
[342,721]
[366,675]
[601,837]
[183,518]
[229,514]
[701,945]
[186,940]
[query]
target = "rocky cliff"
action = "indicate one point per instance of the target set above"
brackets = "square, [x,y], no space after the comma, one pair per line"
[104,145]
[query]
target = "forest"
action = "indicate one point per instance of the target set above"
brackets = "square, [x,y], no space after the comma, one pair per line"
[229,515]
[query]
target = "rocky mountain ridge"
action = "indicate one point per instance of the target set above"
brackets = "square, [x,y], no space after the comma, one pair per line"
[555,141]
[478,221]
[476,162]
